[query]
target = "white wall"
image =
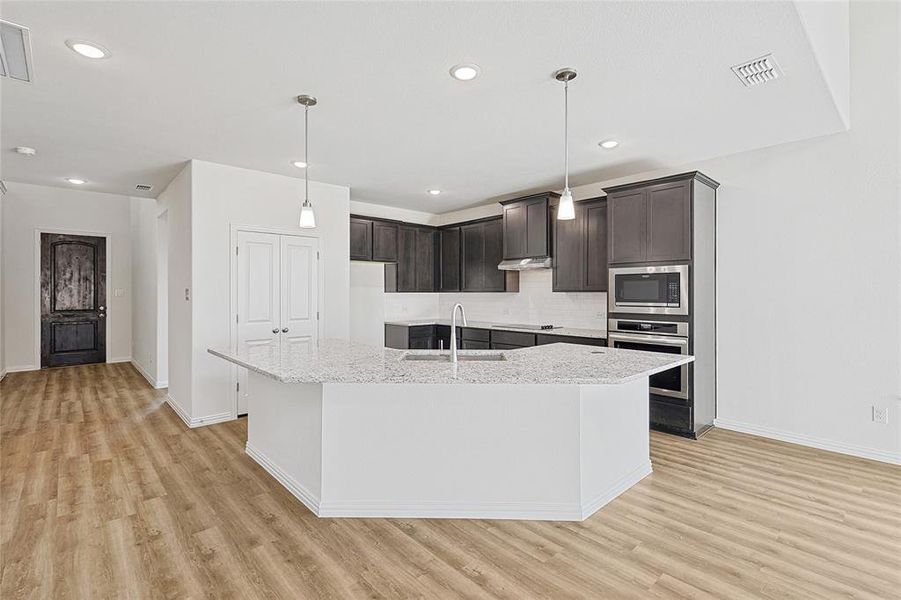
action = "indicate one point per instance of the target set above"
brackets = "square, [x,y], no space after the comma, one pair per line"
[146,324]
[808,263]
[176,201]
[27,208]
[2,345]
[223,196]
[367,303]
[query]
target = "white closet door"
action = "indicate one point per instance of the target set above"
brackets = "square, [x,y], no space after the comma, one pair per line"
[299,290]
[259,296]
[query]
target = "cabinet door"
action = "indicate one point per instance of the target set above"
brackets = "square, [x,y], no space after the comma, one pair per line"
[406,259]
[422,343]
[594,217]
[627,232]
[473,257]
[515,232]
[449,270]
[360,239]
[569,258]
[669,221]
[384,241]
[537,227]
[493,279]
[475,345]
[425,260]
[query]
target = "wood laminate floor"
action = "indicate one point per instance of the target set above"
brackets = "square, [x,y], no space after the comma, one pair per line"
[106,494]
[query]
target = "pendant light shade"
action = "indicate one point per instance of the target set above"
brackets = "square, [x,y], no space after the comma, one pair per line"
[307,217]
[566,210]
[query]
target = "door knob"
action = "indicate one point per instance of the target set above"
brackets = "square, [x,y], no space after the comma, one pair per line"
[285,330]
[275,330]
[102,308]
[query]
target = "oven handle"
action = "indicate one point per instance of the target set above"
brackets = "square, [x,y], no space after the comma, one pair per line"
[650,339]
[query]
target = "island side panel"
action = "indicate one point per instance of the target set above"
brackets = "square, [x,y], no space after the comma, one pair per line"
[452,451]
[284,434]
[615,441]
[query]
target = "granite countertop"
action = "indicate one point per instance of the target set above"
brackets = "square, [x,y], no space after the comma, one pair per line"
[341,361]
[565,331]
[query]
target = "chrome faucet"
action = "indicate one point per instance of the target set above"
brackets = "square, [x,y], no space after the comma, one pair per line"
[453,337]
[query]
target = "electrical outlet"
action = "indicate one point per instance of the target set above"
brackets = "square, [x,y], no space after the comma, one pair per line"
[880,415]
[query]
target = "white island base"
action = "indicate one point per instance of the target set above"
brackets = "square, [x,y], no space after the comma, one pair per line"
[472,451]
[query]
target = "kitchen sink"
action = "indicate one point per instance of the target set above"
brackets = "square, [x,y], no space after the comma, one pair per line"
[493,356]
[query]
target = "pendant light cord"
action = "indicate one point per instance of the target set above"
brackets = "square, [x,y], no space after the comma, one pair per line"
[306,146]
[566,134]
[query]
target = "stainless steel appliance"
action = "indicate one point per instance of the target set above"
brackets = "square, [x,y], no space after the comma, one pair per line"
[655,336]
[660,290]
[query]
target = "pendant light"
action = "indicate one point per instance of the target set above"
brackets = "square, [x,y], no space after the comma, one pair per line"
[566,210]
[307,218]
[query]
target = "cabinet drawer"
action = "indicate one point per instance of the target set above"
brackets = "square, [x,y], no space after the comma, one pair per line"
[512,338]
[475,345]
[418,331]
[567,339]
[476,335]
[670,416]
[499,346]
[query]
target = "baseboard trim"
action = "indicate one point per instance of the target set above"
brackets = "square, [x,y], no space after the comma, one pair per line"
[193,422]
[22,369]
[2,374]
[178,410]
[811,442]
[453,510]
[120,359]
[157,385]
[306,497]
[624,483]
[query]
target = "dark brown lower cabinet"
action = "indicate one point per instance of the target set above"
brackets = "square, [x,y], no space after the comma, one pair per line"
[475,345]
[569,339]
[434,337]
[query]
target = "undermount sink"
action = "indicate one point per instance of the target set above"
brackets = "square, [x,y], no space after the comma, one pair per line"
[493,356]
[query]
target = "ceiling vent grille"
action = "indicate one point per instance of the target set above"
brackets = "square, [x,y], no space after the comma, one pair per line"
[759,70]
[15,52]
[143,187]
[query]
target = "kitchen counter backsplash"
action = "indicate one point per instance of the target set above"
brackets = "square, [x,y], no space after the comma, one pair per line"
[534,304]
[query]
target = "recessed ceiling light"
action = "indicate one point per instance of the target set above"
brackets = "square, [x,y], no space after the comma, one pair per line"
[76,181]
[608,144]
[465,72]
[300,164]
[88,49]
[434,192]
[25,150]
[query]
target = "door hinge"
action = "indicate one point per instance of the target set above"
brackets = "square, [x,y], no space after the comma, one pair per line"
[236,250]
[317,255]
[236,318]
[317,315]
[238,387]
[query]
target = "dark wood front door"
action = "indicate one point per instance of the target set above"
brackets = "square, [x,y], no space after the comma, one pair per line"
[73,299]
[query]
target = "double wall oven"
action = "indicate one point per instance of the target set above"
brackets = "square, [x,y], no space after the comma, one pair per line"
[655,336]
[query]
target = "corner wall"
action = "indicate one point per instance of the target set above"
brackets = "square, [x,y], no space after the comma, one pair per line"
[27,208]
[223,196]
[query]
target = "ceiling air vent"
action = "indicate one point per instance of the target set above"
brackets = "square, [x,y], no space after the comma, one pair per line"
[759,70]
[143,187]
[15,52]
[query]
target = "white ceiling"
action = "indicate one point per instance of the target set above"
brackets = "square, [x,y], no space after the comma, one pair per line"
[216,81]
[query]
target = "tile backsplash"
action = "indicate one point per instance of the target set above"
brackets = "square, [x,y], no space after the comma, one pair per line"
[534,304]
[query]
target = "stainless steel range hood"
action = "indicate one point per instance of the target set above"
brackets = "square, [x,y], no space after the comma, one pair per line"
[526,264]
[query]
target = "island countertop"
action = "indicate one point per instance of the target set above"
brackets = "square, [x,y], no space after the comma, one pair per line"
[341,361]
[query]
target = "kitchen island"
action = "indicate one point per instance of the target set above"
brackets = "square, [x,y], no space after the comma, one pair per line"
[551,432]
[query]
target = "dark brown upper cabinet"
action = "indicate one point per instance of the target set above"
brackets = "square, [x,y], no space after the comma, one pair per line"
[482,248]
[580,248]
[650,221]
[384,241]
[415,269]
[360,239]
[526,226]
[449,260]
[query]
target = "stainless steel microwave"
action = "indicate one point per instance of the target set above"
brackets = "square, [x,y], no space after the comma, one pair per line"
[661,290]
